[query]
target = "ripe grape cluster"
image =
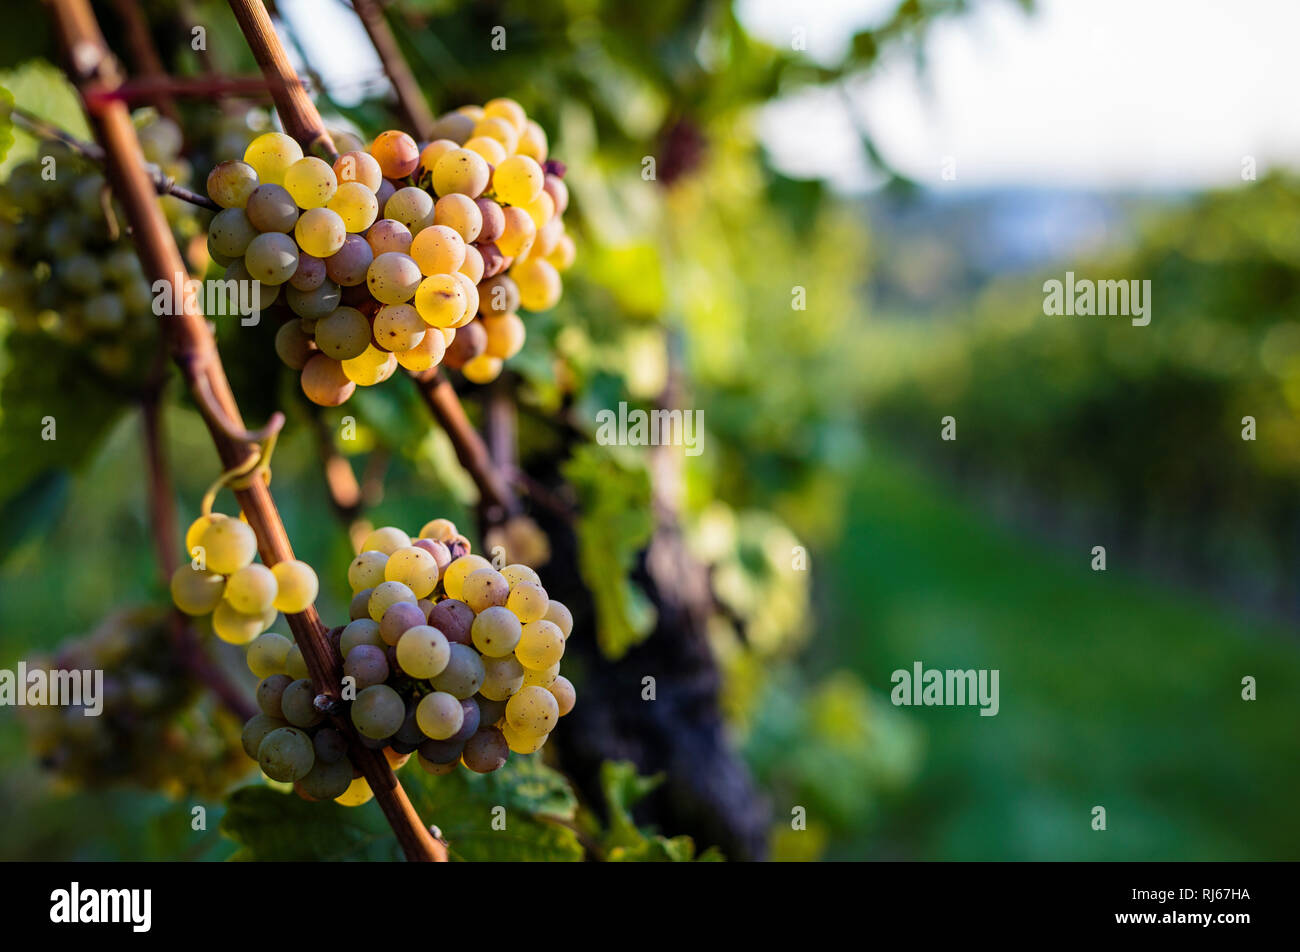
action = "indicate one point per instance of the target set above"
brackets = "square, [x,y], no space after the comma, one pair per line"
[158,728]
[243,596]
[67,270]
[445,657]
[400,255]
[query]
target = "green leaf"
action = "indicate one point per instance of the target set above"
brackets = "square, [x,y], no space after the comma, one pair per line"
[41,88]
[624,841]
[614,525]
[538,804]
[6,125]
[271,826]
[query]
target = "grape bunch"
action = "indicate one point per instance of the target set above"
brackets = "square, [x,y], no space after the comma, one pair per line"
[402,254]
[448,659]
[67,268]
[244,597]
[158,728]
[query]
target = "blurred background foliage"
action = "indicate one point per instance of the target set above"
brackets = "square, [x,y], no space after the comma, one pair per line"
[821,443]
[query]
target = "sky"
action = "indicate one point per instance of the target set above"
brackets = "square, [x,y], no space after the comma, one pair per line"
[1110,94]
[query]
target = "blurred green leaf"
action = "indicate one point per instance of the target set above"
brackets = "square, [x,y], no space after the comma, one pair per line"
[271,826]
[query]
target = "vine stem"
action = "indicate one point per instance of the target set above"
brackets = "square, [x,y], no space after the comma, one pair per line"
[94,72]
[159,179]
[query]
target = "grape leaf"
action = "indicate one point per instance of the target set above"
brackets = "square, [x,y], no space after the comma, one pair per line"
[538,806]
[271,826]
[614,525]
[623,840]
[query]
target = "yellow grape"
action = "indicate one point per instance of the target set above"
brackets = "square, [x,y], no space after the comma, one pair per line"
[441,301]
[564,253]
[541,210]
[236,627]
[505,335]
[470,290]
[440,530]
[320,232]
[411,206]
[482,369]
[367,569]
[423,652]
[393,277]
[485,588]
[439,715]
[454,577]
[311,182]
[343,333]
[474,112]
[461,171]
[297,586]
[540,645]
[438,249]
[495,631]
[385,540]
[516,238]
[528,601]
[518,180]
[473,266]
[533,710]
[492,151]
[399,328]
[252,589]
[434,151]
[371,367]
[271,154]
[325,383]
[413,567]
[228,545]
[539,284]
[558,614]
[517,572]
[267,654]
[386,595]
[565,696]
[507,109]
[544,678]
[502,677]
[499,129]
[461,214]
[520,743]
[357,793]
[454,126]
[195,532]
[195,591]
[426,354]
[532,142]
[356,204]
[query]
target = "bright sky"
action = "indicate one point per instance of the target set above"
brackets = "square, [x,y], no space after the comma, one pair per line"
[1096,93]
[1161,94]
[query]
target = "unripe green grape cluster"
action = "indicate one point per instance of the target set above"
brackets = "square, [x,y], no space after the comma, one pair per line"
[400,254]
[68,270]
[159,729]
[444,658]
[243,596]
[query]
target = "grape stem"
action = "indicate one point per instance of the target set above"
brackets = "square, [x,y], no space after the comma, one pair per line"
[162,183]
[96,75]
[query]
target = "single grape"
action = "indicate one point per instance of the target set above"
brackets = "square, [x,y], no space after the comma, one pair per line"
[378,711]
[518,180]
[299,704]
[370,367]
[460,569]
[547,237]
[271,208]
[441,301]
[356,205]
[367,664]
[295,665]
[389,235]
[505,336]
[461,171]
[423,652]
[496,631]
[411,206]
[229,234]
[518,234]
[523,743]
[427,353]
[270,694]
[544,678]
[321,232]
[252,589]
[541,645]
[361,631]
[500,130]
[486,751]
[463,674]
[528,601]
[438,250]
[310,274]
[565,696]
[559,192]
[286,754]
[311,182]
[360,605]
[430,155]
[393,277]
[490,712]
[255,731]
[439,715]
[470,341]
[343,334]
[494,221]
[532,142]
[388,594]
[293,346]
[367,569]
[542,211]
[331,746]
[231,182]
[506,109]
[441,752]
[413,567]
[324,382]
[498,296]
[502,677]
[396,153]
[454,125]
[492,151]
[358,166]
[564,253]
[347,267]
[271,154]
[357,793]
[398,620]
[297,586]
[267,653]
[385,539]
[271,258]
[454,619]
[517,572]
[558,614]
[473,266]
[228,545]
[539,284]
[325,781]
[196,591]
[485,588]
[314,304]
[460,214]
